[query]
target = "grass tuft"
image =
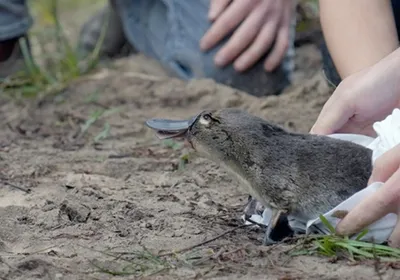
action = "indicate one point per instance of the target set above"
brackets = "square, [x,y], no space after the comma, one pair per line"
[143,263]
[135,263]
[57,63]
[93,118]
[335,246]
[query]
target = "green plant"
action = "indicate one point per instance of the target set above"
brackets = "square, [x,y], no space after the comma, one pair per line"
[332,245]
[57,63]
[94,117]
[135,263]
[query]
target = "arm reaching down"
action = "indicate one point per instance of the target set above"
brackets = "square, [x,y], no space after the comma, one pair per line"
[362,99]
[358,33]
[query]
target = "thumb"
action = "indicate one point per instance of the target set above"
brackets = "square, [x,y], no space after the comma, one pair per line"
[334,115]
[216,8]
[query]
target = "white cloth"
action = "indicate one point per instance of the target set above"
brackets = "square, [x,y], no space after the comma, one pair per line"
[388,136]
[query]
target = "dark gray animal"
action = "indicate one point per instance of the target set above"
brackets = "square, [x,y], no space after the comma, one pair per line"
[302,175]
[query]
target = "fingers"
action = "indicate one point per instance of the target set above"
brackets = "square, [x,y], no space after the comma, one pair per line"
[358,127]
[259,23]
[374,207]
[386,165]
[317,127]
[334,115]
[332,118]
[281,44]
[216,8]
[394,239]
[225,23]
[241,39]
[260,45]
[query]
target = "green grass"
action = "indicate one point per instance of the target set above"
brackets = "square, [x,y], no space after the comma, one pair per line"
[143,263]
[93,118]
[335,246]
[185,155]
[135,263]
[57,63]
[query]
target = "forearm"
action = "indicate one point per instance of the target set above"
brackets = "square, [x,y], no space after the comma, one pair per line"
[358,33]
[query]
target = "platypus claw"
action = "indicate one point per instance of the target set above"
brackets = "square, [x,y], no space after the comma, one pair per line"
[267,240]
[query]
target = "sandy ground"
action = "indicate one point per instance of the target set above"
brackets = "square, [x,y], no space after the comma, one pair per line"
[72,207]
[94,206]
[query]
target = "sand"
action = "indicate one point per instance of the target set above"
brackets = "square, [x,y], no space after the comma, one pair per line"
[87,209]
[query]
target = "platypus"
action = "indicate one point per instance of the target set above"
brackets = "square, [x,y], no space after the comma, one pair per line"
[297,174]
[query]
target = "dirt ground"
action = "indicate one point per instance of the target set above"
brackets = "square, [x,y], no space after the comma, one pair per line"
[72,207]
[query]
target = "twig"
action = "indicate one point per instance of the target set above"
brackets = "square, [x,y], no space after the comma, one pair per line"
[12,268]
[104,73]
[19,114]
[121,155]
[203,242]
[255,223]
[17,187]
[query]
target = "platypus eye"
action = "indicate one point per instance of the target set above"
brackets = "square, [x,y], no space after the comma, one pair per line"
[205,119]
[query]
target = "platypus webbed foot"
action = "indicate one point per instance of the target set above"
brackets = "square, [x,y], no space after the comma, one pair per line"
[276,218]
[267,239]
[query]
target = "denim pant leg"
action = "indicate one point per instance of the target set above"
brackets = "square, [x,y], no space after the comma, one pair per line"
[328,66]
[170,31]
[15,19]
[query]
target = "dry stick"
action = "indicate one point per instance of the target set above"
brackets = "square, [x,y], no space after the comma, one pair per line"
[104,73]
[17,187]
[327,80]
[255,223]
[204,242]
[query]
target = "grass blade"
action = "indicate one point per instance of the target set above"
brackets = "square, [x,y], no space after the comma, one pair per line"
[327,224]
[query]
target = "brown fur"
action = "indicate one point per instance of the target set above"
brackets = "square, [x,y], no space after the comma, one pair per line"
[302,174]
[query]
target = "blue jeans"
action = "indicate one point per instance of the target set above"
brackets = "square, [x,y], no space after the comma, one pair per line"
[14,19]
[169,31]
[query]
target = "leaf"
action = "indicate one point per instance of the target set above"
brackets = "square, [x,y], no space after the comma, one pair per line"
[327,224]
[355,250]
[93,118]
[362,234]
[104,133]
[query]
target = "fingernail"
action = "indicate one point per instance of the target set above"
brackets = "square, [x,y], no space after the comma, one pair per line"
[342,232]
[240,65]
[338,230]
[211,15]
[268,67]
[203,44]
[220,60]
[316,131]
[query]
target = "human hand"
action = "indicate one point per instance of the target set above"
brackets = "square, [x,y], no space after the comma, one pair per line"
[362,99]
[384,201]
[260,25]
